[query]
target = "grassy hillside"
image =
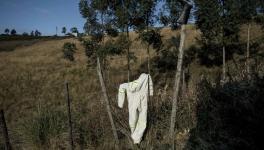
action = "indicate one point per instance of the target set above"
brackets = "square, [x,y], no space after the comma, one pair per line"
[32,95]
[10,43]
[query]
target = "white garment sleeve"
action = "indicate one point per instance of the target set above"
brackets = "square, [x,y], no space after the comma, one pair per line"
[150,86]
[122,94]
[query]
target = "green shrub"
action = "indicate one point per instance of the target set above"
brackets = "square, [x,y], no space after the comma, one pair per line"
[152,37]
[229,116]
[69,50]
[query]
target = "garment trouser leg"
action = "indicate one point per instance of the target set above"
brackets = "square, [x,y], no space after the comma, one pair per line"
[133,117]
[141,123]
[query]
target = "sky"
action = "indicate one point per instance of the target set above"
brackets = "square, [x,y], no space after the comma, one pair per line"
[42,15]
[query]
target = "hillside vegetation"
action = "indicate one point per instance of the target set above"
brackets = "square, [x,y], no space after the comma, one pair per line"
[10,43]
[32,93]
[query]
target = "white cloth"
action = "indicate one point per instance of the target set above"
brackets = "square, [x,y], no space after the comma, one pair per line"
[137,95]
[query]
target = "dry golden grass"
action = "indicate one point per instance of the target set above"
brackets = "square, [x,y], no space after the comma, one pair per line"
[256,32]
[33,77]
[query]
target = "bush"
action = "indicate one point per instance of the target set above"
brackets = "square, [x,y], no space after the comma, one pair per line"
[69,50]
[48,125]
[109,48]
[111,31]
[229,116]
[168,57]
[152,37]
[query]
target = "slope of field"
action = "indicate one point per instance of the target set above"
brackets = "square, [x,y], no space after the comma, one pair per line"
[32,86]
[10,43]
[32,80]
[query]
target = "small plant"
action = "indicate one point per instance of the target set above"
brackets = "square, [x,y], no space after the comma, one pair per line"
[44,128]
[69,50]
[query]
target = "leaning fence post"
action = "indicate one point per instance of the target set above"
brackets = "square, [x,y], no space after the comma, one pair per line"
[4,130]
[69,114]
[183,21]
[99,71]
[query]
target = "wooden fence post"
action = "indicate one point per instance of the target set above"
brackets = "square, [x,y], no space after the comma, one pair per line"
[183,21]
[99,71]
[4,130]
[177,87]
[69,114]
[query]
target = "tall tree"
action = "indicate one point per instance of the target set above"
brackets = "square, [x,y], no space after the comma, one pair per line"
[131,15]
[220,26]
[7,31]
[32,33]
[145,12]
[13,32]
[248,11]
[96,14]
[37,33]
[25,34]
[74,30]
[123,12]
[230,27]
[91,25]
[64,30]
[170,13]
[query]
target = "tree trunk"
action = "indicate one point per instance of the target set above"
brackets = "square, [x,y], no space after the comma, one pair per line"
[224,64]
[177,84]
[148,59]
[102,83]
[128,57]
[128,48]
[148,49]
[4,130]
[69,115]
[248,52]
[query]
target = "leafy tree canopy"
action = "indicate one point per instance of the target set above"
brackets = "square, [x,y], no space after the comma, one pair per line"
[13,32]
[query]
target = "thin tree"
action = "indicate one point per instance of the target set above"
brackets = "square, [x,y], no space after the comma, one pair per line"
[74,30]
[248,11]
[92,11]
[25,34]
[210,24]
[223,39]
[123,12]
[37,33]
[183,21]
[230,27]
[134,15]
[7,31]
[127,14]
[64,30]
[143,19]
[170,13]
[13,32]
[146,12]
[220,27]
[32,33]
